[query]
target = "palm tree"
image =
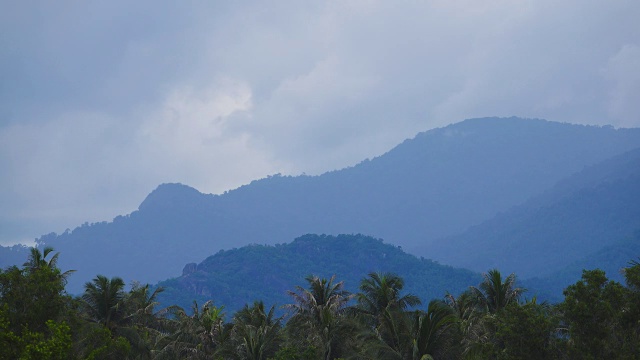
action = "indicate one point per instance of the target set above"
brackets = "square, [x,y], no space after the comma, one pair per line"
[383,308]
[321,313]
[381,291]
[632,275]
[38,260]
[142,325]
[494,294]
[419,335]
[433,331]
[202,335]
[256,332]
[490,299]
[470,319]
[103,301]
[33,294]
[140,305]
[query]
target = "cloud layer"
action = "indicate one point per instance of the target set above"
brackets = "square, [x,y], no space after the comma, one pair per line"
[100,103]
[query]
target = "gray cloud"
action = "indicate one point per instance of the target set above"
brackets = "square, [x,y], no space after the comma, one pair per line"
[99,103]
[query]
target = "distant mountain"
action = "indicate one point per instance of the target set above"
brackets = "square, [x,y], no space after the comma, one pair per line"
[578,217]
[237,277]
[13,255]
[434,185]
[611,259]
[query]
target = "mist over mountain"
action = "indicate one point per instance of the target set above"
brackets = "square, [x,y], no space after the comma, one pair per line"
[611,259]
[583,214]
[435,185]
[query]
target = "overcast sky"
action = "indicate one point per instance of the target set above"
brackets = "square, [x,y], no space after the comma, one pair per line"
[101,101]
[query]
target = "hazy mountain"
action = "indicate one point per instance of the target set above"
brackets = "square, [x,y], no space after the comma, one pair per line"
[434,185]
[237,277]
[612,258]
[13,255]
[578,217]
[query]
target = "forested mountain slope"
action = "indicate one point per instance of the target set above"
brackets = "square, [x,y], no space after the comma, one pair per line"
[611,259]
[241,276]
[582,215]
[434,185]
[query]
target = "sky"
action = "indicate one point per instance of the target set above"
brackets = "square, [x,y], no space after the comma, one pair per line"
[100,102]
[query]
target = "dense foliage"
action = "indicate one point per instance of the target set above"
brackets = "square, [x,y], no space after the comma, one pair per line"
[239,276]
[598,319]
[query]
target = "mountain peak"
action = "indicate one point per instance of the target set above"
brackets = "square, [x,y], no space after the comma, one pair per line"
[169,195]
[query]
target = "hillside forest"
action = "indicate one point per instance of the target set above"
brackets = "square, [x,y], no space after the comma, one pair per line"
[598,318]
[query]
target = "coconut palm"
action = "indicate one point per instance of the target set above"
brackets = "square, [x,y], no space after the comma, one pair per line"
[203,335]
[256,332]
[632,275]
[320,312]
[392,341]
[381,291]
[142,325]
[420,335]
[382,306]
[494,294]
[103,301]
[433,331]
[141,303]
[110,331]
[472,329]
[38,260]
[490,299]
[32,295]
[464,306]
[129,317]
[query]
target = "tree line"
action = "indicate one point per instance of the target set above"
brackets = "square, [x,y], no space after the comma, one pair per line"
[598,319]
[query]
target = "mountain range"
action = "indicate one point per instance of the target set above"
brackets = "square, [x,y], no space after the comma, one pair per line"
[579,216]
[468,194]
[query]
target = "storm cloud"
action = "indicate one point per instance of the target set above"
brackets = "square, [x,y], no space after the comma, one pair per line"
[101,102]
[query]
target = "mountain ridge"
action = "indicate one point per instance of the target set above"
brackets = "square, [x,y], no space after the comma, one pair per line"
[236,277]
[436,184]
[583,213]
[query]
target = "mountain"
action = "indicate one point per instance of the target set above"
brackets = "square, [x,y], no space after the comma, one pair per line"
[434,185]
[577,218]
[611,259]
[13,255]
[240,276]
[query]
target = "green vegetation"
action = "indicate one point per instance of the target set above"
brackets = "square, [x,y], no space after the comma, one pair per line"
[598,319]
[262,272]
